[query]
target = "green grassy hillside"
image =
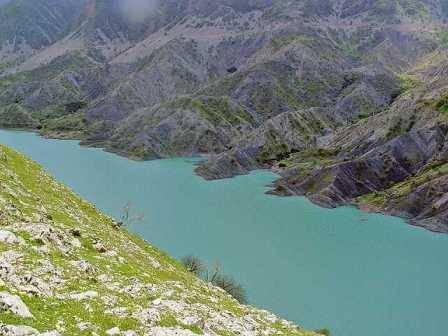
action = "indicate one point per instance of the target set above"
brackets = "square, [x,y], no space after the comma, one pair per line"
[67,269]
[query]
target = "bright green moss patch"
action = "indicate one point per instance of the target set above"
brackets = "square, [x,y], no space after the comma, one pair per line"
[442,105]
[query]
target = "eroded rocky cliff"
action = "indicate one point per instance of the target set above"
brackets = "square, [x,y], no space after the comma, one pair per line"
[318,89]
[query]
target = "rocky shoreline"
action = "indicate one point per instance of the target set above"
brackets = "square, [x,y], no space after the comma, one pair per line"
[433,224]
[281,187]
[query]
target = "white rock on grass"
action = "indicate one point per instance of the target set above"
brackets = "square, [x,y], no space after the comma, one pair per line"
[10,330]
[111,253]
[117,311]
[163,331]
[113,331]
[100,247]
[84,326]
[84,266]
[76,243]
[129,333]
[50,333]
[10,238]
[148,317]
[14,304]
[35,286]
[155,263]
[190,318]
[48,235]
[10,257]
[84,296]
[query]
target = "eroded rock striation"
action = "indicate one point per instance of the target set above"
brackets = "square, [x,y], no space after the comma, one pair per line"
[394,162]
[345,98]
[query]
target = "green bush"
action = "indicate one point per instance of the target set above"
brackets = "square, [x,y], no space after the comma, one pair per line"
[442,105]
[324,332]
[74,106]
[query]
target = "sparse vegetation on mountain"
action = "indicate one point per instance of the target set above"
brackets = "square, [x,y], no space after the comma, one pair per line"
[216,277]
[258,84]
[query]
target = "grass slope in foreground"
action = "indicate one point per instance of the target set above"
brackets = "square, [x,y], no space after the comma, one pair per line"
[66,269]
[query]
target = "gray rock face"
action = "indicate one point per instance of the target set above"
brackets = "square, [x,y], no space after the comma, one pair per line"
[14,304]
[392,162]
[384,166]
[275,139]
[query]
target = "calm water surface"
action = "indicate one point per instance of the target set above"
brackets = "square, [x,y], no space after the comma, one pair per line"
[354,273]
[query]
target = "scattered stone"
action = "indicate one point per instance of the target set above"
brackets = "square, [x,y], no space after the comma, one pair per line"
[129,333]
[42,249]
[10,238]
[110,300]
[47,235]
[163,331]
[149,317]
[75,242]
[14,304]
[84,296]
[105,278]
[84,266]
[60,326]
[134,288]
[10,330]
[190,319]
[51,333]
[117,311]
[10,257]
[113,331]
[155,263]
[84,325]
[111,253]
[35,286]
[99,246]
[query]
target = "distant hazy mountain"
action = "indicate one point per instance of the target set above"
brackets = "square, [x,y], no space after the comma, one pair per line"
[258,83]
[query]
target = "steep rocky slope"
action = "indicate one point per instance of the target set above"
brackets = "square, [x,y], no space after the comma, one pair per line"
[67,269]
[393,162]
[340,58]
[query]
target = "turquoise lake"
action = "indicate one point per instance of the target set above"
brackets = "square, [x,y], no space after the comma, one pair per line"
[354,273]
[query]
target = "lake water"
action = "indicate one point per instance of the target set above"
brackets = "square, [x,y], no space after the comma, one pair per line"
[354,273]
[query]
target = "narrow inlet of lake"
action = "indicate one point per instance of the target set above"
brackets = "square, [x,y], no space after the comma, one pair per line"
[351,272]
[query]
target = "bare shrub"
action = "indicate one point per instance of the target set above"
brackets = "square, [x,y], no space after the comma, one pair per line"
[130,216]
[215,277]
[194,265]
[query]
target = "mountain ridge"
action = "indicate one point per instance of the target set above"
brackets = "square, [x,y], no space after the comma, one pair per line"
[253,83]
